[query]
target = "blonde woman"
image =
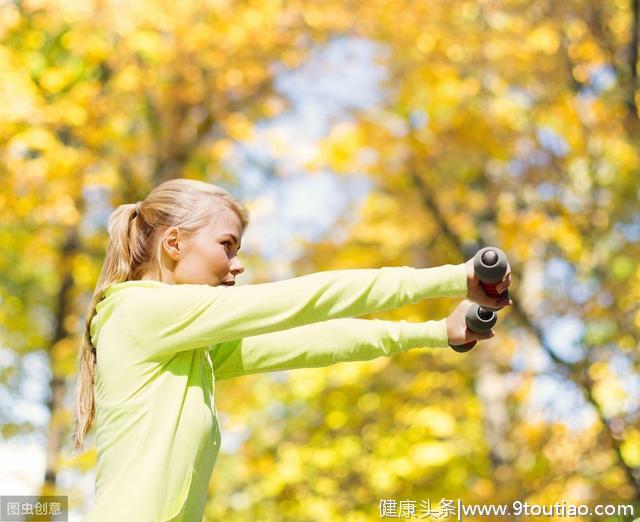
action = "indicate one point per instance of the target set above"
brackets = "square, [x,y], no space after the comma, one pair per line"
[165,323]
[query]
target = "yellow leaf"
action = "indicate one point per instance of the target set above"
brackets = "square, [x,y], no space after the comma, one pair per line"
[544,39]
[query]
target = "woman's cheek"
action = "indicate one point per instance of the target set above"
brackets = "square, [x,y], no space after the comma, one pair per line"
[223,262]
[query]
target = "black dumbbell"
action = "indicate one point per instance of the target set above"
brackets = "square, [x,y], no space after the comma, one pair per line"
[490,265]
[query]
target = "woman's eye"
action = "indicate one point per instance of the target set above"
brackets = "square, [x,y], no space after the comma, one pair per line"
[228,244]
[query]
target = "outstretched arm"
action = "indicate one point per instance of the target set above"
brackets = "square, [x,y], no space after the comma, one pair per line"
[322,344]
[168,318]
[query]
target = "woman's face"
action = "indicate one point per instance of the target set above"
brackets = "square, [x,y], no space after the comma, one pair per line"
[209,256]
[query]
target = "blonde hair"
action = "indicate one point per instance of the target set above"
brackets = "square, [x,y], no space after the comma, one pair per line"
[133,250]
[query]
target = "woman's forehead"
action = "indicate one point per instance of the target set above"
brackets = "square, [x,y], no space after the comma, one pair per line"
[226,221]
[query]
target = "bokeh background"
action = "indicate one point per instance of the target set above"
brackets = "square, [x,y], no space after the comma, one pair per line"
[360,134]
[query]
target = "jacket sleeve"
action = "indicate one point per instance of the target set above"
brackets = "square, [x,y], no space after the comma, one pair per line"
[323,344]
[171,318]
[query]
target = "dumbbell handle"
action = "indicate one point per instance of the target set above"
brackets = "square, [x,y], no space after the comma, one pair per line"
[490,265]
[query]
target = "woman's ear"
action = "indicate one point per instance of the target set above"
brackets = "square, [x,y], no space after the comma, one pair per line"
[172,243]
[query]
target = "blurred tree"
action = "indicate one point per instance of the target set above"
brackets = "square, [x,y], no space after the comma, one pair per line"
[102,103]
[507,122]
[515,124]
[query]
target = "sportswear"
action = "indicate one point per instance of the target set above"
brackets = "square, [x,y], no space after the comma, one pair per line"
[161,347]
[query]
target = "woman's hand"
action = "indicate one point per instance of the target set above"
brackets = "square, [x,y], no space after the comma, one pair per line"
[476,293]
[457,331]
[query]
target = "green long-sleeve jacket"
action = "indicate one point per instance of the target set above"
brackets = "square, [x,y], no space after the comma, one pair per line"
[161,347]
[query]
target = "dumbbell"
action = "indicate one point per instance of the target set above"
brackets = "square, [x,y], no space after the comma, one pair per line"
[490,265]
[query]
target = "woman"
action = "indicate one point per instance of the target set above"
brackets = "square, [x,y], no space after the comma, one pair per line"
[164,324]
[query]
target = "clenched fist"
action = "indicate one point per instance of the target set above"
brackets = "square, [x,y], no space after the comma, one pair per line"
[476,293]
[457,330]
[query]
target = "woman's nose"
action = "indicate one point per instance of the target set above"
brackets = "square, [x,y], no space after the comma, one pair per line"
[236,267]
